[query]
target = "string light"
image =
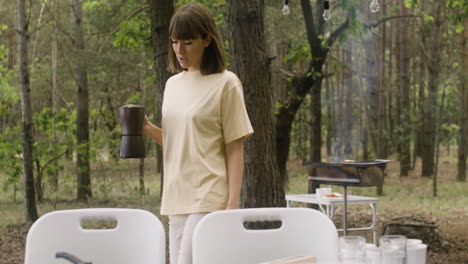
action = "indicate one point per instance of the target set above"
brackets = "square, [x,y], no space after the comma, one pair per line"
[326,10]
[374,6]
[285,9]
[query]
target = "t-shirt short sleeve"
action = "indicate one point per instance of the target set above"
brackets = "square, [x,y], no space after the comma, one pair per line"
[235,119]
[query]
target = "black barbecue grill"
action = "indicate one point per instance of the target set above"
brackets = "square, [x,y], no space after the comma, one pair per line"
[358,174]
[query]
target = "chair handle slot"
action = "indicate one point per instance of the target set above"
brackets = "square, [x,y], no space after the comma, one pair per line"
[262,225]
[98,223]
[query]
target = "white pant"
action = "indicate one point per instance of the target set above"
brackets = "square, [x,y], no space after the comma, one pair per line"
[180,237]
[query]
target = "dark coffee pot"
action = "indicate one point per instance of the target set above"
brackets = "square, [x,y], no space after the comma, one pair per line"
[132,144]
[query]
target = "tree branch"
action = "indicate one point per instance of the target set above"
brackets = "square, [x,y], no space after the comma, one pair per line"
[334,36]
[385,19]
[129,16]
[312,36]
[31,32]
[42,168]
[57,22]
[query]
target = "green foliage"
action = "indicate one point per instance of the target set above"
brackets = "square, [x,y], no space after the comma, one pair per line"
[449,133]
[212,5]
[459,12]
[428,18]
[53,139]
[9,95]
[134,99]
[11,155]
[300,51]
[395,9]
[412,3]
[207,3]
[94,4]
[462,5]
[315,75]
[133,32]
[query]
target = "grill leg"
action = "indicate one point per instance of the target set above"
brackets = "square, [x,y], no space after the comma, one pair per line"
[345,210]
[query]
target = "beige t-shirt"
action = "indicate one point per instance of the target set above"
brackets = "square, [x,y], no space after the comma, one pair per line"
[200,114]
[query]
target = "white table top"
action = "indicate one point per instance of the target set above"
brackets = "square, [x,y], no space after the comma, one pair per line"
[312,198]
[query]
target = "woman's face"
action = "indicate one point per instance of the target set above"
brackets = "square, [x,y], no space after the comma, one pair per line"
[189,53]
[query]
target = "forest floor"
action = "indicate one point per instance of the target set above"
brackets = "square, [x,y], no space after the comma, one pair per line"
[409,196]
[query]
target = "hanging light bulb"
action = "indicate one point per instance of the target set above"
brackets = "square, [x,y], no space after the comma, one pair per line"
[285,9]
[326,10]
[326,15]
[374,6]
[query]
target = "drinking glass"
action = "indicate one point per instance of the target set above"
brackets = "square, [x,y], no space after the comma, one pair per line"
[352,249]
[393,249]
[372,254]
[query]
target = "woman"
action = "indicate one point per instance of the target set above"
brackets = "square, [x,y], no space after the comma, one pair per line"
[204,123]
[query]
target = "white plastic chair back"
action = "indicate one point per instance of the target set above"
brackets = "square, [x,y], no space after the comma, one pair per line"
[220,237]
[138,237]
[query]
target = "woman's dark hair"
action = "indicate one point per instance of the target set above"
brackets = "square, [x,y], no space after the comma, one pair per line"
[191,21]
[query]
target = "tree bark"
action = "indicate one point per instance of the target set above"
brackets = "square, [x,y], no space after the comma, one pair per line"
[142,87]
[381,145]
[340,105]
[262,185]
[54,85]
[30,210]
[10,34]
[404,85]
[329,97]
[161,13]
[33,55]
[316,103]
[419,140]
[372,81]
[348,119]
[82,103]
[463,132]
[434,68]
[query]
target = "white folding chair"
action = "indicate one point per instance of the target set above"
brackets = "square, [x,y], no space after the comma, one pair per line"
[221,237]
[59,237]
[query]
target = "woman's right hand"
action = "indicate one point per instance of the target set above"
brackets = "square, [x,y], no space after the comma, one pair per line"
[146,121]
[152,131]
[146,125]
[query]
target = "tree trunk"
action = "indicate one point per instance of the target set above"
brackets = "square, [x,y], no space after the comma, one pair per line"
[381,145]
[419,140]
[262,185]
[396,88]
[38,182]
[434,68]
[316,103]
[329,96]
[404,85]
[82,102]
[463,132]
[347,133]
[33,55]
[437,143]
[340,105]
[30,210]
[142,86]
[54,85]
[161,13]
[372,81]
[10,34]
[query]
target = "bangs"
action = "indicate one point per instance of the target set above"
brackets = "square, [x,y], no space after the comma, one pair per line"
[183,27]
